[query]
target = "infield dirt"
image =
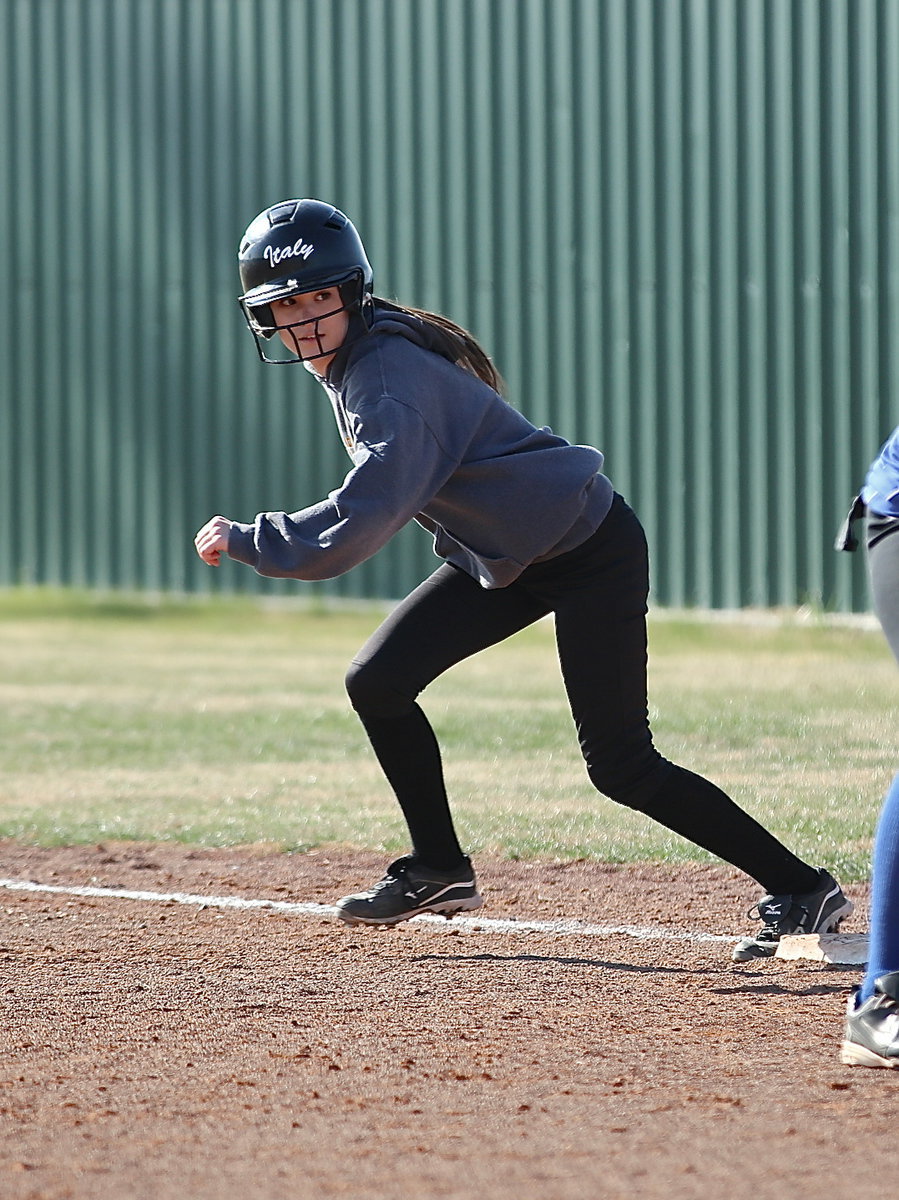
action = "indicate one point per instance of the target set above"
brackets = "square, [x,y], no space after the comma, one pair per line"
[161,1051]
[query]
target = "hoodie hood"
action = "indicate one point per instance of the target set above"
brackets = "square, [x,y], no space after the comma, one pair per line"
[390,321]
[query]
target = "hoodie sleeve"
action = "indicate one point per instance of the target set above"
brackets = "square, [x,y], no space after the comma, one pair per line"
[398,467]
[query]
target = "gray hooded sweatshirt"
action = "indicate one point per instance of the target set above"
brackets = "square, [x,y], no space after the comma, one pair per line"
[430,442]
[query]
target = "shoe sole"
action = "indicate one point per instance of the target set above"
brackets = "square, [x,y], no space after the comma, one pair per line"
[443,908]
[854,1055]
[753,950]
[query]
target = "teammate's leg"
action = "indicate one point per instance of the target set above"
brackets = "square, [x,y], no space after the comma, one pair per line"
[883,947]
[871,1036]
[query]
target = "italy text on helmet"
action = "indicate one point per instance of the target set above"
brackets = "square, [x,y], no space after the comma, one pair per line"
[299,249]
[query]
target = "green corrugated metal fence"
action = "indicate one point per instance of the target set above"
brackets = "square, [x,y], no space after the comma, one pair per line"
[674,222]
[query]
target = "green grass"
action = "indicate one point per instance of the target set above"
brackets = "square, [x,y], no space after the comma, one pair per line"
[225,722]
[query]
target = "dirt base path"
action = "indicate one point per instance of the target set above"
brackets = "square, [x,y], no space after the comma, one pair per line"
[154,1050]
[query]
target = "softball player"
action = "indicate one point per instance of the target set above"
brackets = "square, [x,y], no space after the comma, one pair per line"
[526,523]
[872,1020]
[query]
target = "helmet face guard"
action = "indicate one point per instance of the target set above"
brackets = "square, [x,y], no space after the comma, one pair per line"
[295,247]
[280,344]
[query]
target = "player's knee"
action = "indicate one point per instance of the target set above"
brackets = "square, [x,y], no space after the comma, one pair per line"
[373,692]
[633,780]
[364,687]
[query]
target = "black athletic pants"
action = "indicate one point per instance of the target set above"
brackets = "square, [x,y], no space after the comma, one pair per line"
[597,593]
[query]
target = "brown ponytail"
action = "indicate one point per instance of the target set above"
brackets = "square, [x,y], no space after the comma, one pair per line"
[458,344]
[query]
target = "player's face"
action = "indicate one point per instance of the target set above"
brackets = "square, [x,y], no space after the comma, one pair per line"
[312,325]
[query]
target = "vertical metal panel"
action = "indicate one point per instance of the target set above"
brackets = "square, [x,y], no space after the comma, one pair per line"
[812,549]
[779,557]
[700,458]
[674,222]
[672,534]
[725,585]
[836,217]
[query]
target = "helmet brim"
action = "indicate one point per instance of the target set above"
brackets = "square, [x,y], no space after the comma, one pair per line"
[291,285]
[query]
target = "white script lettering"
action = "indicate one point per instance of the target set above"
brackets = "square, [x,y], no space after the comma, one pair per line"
[299,249]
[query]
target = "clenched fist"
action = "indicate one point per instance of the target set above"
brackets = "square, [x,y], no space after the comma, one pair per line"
[212,540]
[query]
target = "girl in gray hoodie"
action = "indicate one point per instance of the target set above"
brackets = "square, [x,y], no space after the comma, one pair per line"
[526,524]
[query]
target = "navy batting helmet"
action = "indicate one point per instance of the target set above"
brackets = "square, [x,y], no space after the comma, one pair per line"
[299,246]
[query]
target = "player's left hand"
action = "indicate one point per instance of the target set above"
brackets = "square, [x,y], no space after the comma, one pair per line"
[212,540]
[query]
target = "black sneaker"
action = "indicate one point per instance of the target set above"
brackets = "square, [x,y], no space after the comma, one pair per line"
[872,1030]
[408,889]
[820,911]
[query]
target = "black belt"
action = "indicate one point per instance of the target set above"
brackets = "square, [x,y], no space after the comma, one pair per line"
[879,526]
[846,539]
